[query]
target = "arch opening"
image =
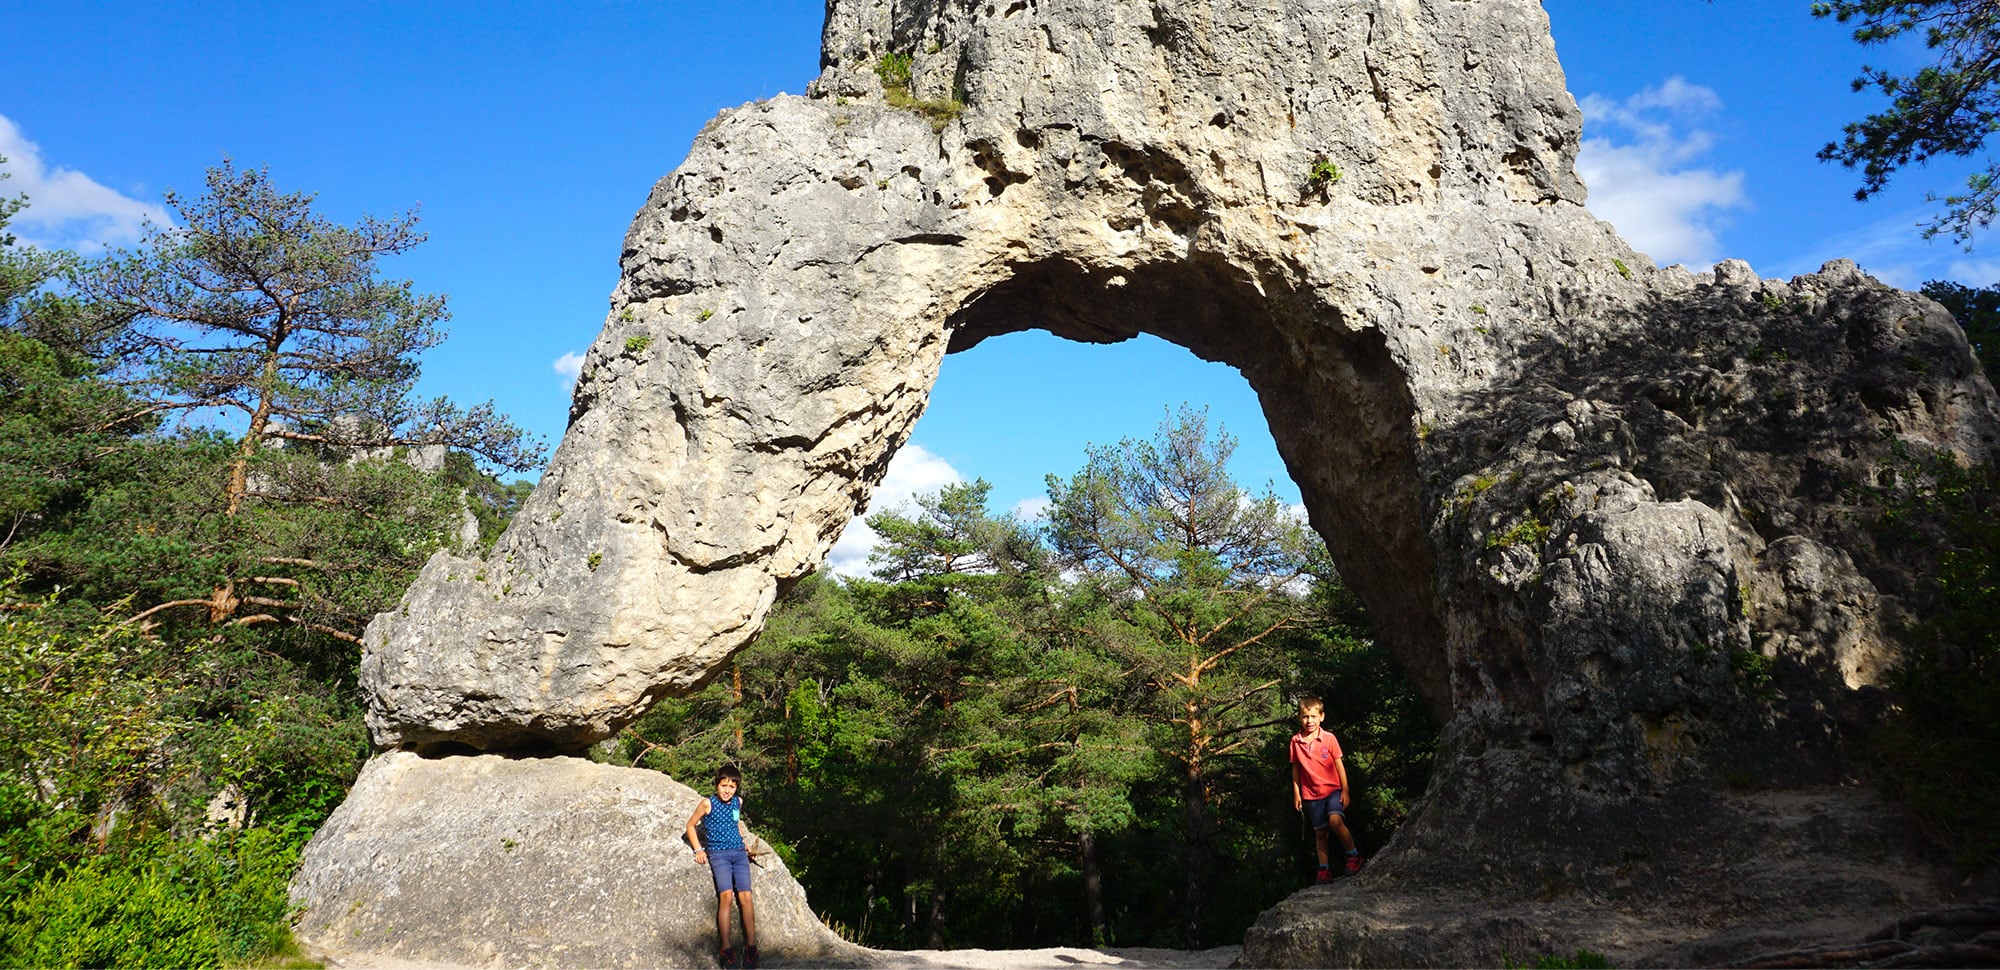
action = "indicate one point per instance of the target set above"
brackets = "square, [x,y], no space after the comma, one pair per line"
[1334,401]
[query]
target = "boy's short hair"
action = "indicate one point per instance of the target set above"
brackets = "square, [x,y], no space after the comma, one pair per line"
[1311,704]
[729,772]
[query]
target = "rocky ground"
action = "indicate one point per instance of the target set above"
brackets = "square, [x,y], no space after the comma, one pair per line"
[1059,958]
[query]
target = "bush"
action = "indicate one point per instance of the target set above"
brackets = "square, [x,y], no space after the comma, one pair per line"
[1940,748]
[160,902]
[103,914]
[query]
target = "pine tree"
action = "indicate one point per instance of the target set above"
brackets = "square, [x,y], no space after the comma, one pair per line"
[1196,576]
[258,315]
[1945,109]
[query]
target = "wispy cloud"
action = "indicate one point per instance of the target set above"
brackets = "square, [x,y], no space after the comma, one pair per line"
[570,366]
[912,472]
[1640,165]
[1892,249]
[1975,272]
[66,208]
[1032,509]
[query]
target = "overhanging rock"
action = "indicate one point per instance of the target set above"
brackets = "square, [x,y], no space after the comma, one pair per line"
[1580,484]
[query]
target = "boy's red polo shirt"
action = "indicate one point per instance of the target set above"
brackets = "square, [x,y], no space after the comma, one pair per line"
[1317,759]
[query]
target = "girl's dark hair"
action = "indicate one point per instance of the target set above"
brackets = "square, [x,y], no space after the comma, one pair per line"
[729,772]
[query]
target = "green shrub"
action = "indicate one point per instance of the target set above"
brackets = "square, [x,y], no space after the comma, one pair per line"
[103,914]
[1939,750]
[159,902]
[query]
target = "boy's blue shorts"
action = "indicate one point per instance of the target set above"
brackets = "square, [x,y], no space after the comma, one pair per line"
[731,869]
[1320,810]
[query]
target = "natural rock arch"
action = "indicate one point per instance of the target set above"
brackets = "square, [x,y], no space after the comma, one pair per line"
[1569,485]
[1340,415]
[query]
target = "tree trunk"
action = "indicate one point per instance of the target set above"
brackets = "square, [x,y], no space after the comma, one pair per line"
[260,421]
[736,705]
[1093,887]
[1194,810]
[937,894]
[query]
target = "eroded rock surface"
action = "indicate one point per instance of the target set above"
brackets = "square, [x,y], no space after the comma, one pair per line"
[1712,879]
[1583,488]
[555,862]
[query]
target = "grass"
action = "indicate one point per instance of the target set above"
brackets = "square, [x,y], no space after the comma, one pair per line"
[894,70]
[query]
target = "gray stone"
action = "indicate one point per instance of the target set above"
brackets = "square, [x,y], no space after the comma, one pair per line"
[1570,486]
[1701,880]
[556,862]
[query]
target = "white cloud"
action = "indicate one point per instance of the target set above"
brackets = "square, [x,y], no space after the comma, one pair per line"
[912,472]
[66,208]
[570,366]
[1975,272]
[1034,509]
[1890,248]
[1638,166]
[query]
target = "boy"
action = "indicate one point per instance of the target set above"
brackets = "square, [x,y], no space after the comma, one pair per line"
[721,846]
[1319,785]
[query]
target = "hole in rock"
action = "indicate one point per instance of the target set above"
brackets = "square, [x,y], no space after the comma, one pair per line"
[981,737]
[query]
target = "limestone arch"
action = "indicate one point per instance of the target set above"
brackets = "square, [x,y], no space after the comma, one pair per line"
[1337,408]
[1540,457]
[1570,485]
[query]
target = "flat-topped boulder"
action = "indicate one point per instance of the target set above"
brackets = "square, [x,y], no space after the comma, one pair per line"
[531,862]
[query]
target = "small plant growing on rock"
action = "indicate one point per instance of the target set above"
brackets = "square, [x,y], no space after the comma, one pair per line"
[1320,178]
[1753,671]
[1581,960]
[1528,531]
[1476,308]
[638,344]
[596,559]
[703,316]
[894,70]
[1623,270]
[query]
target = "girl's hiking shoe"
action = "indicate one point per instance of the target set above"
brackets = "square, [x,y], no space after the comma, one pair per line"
[1325,875]
[728,958]
[749,958]
[1353,863]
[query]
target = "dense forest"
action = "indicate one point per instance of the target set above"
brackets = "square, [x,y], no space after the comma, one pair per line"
[214,470]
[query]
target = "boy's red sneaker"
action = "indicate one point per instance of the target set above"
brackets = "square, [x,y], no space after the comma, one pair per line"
[1325,876]
[1353,863]
[728,958]
[750,958]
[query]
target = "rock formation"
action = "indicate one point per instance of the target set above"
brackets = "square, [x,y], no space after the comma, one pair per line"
[557,862]
[1581,484]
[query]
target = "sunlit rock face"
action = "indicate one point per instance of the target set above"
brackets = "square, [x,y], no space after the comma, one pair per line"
[1570,486]
[493,861]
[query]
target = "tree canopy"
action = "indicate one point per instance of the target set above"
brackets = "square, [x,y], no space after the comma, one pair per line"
[1947,108]
[181,587]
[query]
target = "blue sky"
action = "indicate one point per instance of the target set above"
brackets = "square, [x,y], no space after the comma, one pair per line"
[528,135]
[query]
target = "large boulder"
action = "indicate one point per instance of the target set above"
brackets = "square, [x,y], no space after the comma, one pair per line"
[523,862]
